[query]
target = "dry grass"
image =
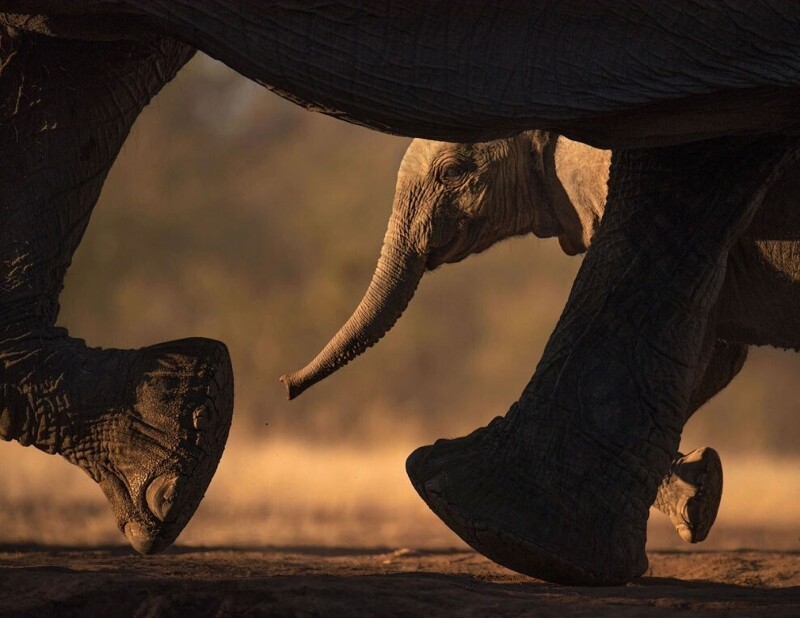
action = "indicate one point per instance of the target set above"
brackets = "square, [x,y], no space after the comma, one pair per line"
[293,493]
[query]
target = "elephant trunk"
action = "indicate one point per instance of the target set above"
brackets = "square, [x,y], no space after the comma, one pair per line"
[393,284]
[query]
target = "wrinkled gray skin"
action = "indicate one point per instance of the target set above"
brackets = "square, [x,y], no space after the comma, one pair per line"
[456,199]
[453,200]
[699,101]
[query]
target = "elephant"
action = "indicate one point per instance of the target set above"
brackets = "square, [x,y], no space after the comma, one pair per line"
[453,200]
[456,199]
[698,101]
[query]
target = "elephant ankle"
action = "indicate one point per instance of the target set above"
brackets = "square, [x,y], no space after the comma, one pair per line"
[66,398]
[36,399]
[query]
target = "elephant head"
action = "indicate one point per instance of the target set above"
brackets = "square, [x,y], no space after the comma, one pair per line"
[453,200]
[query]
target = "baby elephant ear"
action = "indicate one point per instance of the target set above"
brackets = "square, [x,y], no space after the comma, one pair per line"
[578,185]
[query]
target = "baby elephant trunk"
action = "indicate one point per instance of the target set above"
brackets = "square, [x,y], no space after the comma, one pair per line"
[393,285]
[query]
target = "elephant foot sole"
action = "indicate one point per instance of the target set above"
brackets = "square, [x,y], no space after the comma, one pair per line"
[690,495]
[193,384]
[522,526]
[149,425]
[513,551]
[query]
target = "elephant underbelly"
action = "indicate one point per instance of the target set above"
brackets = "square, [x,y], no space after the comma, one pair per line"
[760,300]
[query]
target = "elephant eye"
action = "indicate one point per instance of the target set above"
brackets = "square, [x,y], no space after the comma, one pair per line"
[453,172]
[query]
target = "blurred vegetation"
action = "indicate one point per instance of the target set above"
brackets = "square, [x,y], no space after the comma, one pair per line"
[235,215]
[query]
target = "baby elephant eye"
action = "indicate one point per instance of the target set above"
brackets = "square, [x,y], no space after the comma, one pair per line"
[454,171]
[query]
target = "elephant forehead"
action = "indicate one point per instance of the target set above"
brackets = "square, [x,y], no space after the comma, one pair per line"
[423,154]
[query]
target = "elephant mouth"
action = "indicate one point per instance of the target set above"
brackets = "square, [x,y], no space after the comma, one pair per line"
[449,254]
[466,239]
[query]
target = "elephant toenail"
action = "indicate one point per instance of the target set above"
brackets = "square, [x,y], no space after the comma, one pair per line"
[685,532]
[161,495]
[200,418]
[139,539]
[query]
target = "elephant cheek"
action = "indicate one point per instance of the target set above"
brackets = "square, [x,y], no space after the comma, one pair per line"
[545,222]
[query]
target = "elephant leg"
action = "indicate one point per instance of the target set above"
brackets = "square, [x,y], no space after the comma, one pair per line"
[560,488]
[691,491]
[725,363]
[148,425]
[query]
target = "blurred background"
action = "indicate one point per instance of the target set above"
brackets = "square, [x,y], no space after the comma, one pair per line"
[235,215]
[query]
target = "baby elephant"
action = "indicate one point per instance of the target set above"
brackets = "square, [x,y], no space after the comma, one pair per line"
[453,200]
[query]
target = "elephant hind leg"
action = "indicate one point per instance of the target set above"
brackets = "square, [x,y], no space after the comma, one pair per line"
[725,362]
[691,492]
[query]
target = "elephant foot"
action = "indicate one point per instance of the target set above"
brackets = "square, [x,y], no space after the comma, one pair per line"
[691,492]
[529,512]
[148,425]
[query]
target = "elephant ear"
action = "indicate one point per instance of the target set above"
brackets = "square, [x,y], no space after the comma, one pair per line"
[577,176]
[639,73]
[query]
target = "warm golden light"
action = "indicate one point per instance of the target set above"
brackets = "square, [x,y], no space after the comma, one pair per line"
[234,215]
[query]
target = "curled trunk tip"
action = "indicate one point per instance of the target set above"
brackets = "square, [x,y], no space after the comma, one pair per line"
[293,385]
[393,284]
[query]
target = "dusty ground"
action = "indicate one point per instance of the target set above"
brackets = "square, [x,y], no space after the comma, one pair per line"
[377,582]
[276,520]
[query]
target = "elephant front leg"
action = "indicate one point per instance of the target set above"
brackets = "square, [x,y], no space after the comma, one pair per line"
[148,425]
[560,488]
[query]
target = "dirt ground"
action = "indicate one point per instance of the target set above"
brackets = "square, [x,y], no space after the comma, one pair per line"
[112,581]
[299,530]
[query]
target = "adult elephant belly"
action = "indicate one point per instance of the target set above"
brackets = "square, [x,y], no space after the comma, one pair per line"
[760,301]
